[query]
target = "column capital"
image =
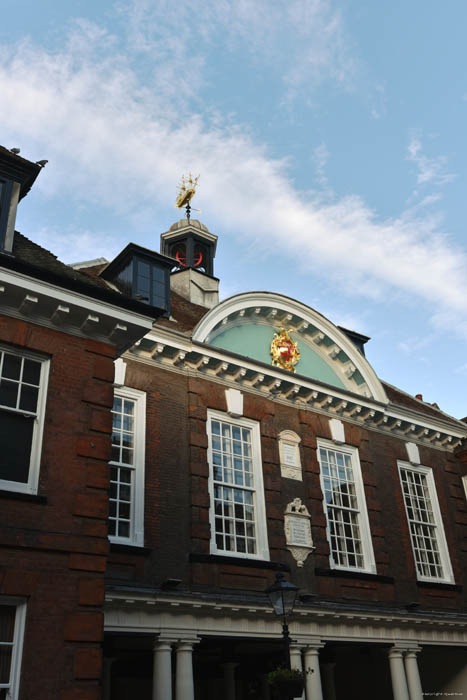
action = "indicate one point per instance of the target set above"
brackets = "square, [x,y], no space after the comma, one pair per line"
[162,644]
[313,647]
[189,641]
[396,652]
[412,651]
[307,641]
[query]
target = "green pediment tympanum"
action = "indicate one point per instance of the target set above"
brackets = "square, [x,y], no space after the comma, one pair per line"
[246,324]
[253,340]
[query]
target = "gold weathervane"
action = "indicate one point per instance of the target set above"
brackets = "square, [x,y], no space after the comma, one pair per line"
[186,192]
[284,350]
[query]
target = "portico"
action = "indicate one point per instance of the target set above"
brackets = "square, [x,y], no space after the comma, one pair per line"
[188,648]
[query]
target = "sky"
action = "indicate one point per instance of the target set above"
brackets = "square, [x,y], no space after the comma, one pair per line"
[329,136]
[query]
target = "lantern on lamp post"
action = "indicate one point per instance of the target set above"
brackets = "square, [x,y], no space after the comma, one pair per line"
[282,596]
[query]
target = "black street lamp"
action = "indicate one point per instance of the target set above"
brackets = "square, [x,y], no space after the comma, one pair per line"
[282,595]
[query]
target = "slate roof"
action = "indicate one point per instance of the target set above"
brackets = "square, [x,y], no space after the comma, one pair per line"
[37,262]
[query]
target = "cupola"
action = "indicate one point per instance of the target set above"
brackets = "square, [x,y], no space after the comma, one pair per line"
[192,248]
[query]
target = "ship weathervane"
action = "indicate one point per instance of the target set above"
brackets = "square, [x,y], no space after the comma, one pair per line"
[186,192]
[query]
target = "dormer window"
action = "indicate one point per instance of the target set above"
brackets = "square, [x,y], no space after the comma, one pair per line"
[143,275]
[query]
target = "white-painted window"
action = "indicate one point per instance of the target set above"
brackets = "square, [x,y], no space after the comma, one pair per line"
[237,515]
[425,524]
[348,528]
[12,616]
[23,388]
[126,503]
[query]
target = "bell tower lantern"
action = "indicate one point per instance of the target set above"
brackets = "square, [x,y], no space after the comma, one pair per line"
[192,247]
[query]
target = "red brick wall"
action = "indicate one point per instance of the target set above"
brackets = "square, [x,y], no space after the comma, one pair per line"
[54,553]
[177,501]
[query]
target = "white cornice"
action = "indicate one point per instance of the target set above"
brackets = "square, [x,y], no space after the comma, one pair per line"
[175,352]
[46,304]
[178,615]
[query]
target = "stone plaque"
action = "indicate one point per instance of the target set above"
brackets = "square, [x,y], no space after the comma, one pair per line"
[297,529]
[289,453]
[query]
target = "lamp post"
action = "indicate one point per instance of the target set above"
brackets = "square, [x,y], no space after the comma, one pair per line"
[282,595]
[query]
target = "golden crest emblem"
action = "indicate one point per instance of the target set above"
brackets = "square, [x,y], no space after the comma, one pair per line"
[284,350]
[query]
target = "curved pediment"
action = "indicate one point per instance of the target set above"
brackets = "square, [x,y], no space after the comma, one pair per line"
[246,323]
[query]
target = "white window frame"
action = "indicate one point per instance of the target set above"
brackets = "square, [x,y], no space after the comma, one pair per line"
[464,481]
[262,549]
[36,445]
[18,638]
[363,521]
[438,524]
[136,537]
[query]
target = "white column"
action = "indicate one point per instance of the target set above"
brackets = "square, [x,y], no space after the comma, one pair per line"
[184,685]
[296,662]
[329,681]
[312,675]
[162,671]
[400,690]
[229,680]
[413,676]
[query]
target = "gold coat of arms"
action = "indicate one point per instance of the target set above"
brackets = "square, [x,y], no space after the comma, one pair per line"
[284,350]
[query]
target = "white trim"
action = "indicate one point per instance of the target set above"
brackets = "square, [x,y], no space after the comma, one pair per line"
[173,340]
[278,301]
[363,521]
[258,491]
[336,427]
[138,469]
[69,297]
[438,524]
[178,617]
[18,639]
[38,430]
[464,481]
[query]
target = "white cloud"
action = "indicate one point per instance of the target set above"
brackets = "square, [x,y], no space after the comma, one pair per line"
[429,170]
[114,142]
[179,35]
[320,159]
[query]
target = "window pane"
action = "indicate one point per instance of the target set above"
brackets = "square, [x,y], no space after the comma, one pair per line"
[342,510]
[8,393]
[7,622]
[12,366]
[31,372]
[232,452]
[15,446]
[5,663]
[28,398]
[422,526]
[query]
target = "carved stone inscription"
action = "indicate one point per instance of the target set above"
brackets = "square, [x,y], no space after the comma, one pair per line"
[297,529]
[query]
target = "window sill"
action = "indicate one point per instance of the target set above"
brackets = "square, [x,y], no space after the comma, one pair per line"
[361,575]
[440,585]
[118,548]
[238,561]
[20,496]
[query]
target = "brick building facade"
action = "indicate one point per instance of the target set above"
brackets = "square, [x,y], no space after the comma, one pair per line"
[223,470]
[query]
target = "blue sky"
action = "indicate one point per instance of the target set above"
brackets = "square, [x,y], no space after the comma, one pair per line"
[329,136]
